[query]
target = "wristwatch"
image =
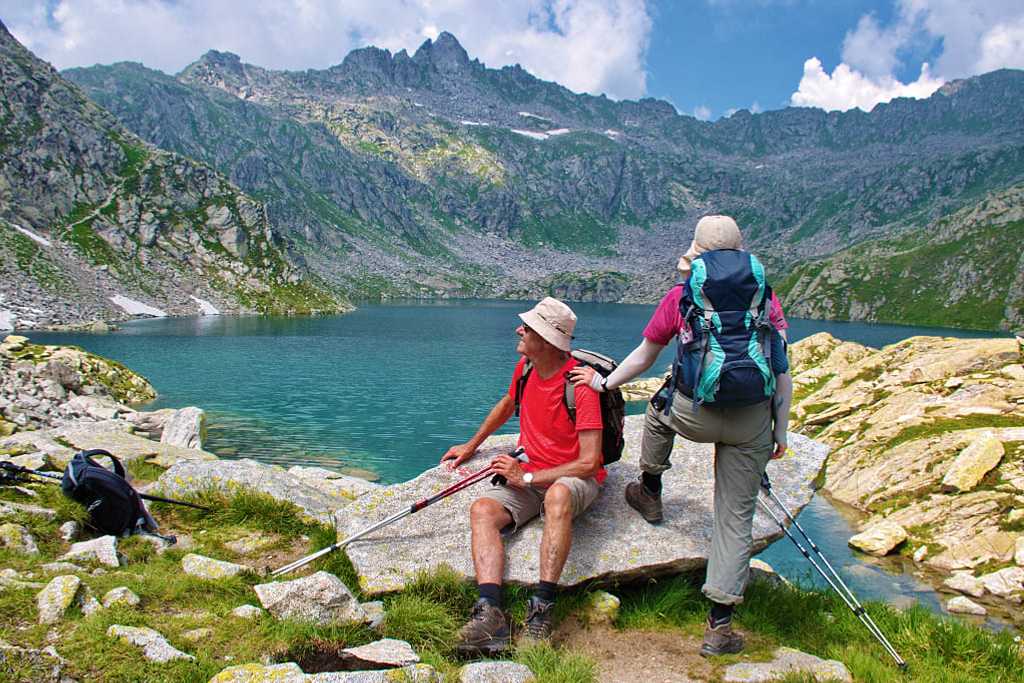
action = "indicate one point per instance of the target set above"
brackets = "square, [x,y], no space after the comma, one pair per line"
[528,479]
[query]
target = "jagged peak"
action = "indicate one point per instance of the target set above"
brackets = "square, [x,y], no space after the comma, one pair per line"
[444,52]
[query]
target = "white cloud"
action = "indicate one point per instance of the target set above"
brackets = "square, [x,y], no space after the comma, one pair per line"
[587,45]
[971,38]
[702,113]
[847,88]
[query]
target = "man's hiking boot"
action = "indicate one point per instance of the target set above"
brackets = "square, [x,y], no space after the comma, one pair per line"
[486,632]
[537,627]
[720,640]
[643,501]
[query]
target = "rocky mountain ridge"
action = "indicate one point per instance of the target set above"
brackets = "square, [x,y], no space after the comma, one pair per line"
[92,216]
[461,180]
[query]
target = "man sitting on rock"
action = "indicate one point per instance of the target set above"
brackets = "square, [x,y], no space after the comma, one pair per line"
[562,478]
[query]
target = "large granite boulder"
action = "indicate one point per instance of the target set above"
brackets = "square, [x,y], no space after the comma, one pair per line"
[185,428]
[321,598]
[610,542]
[230,475]
[333,483]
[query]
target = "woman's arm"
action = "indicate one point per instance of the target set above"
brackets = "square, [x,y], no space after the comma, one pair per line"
[639,359]
[780,412]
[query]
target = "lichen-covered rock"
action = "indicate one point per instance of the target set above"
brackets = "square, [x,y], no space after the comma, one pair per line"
[17,538]
[601,608]
[229,475]
[122,595]
[60,567]
[252,543]
[31,664]
[208,568]
[197,634]
[610,541]
[965,582]
[288,672]
[964,605]
[879,538]
[186,428]
[414,673]
[787,662]
[10,508]
[102,550]
[374,611]
[247,612]
[387,652]
[58,596]
[87,602]
[973,463]
[496,672]
[154,646]
[320,598]
[333,483]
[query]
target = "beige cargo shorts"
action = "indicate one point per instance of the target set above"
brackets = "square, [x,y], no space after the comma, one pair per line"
[526,503]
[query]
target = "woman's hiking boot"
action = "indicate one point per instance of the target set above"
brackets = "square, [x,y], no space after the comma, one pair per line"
[643,501]
[537,627]
[720,639]
[486,632]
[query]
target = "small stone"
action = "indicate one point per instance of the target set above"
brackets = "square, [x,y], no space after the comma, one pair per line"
[320,598]
[208,568]
[247,612]
[102,550]
[57,597]
[69,531]
[762,571]
[374,611]
[962,605]
[16,537]
[965,582]
[154,646]
[973,463]
[496,672]
[387,652]
[787,662]
[197,634]
[247,545]
[87,602]
[879,538]
[601,608]
[920,554]
[121,595]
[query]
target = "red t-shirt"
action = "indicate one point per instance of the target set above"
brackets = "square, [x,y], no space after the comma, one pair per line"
[545,430]
[667,321]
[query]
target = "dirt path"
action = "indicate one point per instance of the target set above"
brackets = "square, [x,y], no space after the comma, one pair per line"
[638,656]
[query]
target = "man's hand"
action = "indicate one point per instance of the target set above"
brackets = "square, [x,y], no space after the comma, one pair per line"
[780,450]
[509,468]
[456,455]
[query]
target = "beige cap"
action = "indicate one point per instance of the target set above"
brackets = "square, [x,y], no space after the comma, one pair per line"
[713,232]
[552,320]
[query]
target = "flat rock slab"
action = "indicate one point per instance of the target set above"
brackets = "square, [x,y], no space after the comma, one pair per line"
[154,646]
[610,541]
[333,483]
[290,672]
[127,447]
[320,598]
[229,475]
[208,568]
[380,654]
[11,509]
[787,662]
[496,672]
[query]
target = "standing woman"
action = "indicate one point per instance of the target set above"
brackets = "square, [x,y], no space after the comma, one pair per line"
[747,432]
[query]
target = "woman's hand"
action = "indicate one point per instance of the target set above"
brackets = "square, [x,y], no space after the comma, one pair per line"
[582,375]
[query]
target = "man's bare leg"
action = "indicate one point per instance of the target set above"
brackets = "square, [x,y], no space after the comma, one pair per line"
[557,539]
[487,517]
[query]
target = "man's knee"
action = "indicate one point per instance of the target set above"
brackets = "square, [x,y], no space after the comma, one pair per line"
[558,502]
[489,512]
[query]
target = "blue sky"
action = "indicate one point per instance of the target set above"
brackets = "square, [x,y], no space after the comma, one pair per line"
[707,57]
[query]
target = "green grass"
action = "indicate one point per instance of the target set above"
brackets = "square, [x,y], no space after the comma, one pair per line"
[952,424]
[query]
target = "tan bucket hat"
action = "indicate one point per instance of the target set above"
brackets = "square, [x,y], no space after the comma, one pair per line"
[713,232]
[552,320]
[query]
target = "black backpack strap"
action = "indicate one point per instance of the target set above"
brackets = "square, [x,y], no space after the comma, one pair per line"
[118,467]
[521,384]
[570,398]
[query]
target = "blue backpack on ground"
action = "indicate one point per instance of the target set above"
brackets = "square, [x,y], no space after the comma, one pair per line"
[733,352]
[114,507]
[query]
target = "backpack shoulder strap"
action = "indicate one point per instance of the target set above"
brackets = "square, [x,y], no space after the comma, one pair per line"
[118,467]
[521,385]
[570,399]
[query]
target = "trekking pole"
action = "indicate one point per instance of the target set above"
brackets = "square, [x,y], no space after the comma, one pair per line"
[519,454]
[845,593]
[53,476]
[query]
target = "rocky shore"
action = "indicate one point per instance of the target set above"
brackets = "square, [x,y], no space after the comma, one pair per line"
[77,607]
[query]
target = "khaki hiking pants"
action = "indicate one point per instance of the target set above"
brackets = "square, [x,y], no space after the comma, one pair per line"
[743,447]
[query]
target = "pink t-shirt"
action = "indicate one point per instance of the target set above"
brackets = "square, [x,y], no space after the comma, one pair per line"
[667,321]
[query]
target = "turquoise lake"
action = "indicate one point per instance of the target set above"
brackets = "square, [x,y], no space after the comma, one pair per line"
[390,387]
